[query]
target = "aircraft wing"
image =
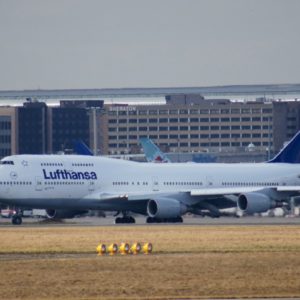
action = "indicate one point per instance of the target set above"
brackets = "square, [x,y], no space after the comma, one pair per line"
[224,191]
[241,190]
[110,196]
[213,192]
[288,188]
[105,196]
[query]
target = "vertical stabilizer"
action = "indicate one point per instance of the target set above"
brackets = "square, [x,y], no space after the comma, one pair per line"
[81,148]
[152,152]
[290,153]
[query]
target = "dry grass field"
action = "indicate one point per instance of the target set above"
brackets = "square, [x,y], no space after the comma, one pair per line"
[188,262]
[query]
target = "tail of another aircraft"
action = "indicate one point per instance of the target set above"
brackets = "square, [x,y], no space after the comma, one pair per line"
[81,148]
[152,152]
[290,153]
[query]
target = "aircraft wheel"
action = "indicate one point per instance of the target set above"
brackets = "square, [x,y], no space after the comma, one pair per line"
[118,220]
[179,220]
[131,220]
[16,220]
[149,220]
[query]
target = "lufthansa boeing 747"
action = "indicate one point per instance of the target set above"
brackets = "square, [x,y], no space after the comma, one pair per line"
[67,184]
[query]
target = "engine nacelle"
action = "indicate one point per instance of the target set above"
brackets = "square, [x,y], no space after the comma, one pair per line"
[165,208]
[255,203]
[63,213]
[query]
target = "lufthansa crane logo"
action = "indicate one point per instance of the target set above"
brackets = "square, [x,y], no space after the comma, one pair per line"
[13,175]
[24,163]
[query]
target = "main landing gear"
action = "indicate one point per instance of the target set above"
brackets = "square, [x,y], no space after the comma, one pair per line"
[164,220]
[125,219]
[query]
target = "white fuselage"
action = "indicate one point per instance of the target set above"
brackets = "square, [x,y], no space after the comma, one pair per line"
[81,181]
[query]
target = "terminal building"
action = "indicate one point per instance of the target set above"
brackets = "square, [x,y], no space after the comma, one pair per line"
[35,128]
[236,130]
[189,123]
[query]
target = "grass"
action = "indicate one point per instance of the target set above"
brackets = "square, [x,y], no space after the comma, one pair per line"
[188,262]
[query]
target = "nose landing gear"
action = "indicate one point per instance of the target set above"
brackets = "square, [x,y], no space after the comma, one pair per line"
[16,219]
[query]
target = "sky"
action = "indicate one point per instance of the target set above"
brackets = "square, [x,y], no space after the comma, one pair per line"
[76,44]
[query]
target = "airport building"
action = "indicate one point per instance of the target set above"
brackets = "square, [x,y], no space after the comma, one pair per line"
[183,124]
[189,123]
[32,128]
[35,128]
[8,131]
[192,124]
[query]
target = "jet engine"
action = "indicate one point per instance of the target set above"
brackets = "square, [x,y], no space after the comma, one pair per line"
[63,213]
[163,207]
[255,203]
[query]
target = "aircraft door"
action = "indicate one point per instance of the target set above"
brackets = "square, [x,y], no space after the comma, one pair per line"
[209,181]
[38,184]
[155,184]
[91,186]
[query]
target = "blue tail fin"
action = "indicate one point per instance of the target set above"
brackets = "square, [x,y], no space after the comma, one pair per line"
[290,153]
[152,152]
[81,148]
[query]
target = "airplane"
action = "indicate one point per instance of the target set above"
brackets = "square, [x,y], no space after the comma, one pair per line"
[152,152]
[68,184]
[81,148]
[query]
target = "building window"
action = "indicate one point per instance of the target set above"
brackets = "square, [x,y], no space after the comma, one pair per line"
[152,112]
[224,111]
[152,120]
[184,128]
[194,111]
[204,127]
[163,128]
[204,120]
[246,119]
[133,121]
[267,110]
[173,112]
[163,136]
[214,111]
[163,112]
[142,112]
[163,120]
[204,111]
[173,120]
[245,110]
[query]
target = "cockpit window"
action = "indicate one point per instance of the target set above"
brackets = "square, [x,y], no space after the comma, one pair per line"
[6,162]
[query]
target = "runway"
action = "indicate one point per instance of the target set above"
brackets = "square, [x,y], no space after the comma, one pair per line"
[140,221]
